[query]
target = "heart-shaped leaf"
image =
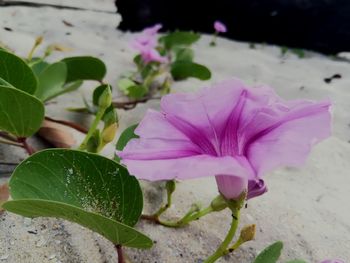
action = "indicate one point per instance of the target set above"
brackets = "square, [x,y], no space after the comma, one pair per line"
[38,65]
[16,72]
[185,69]
[125,137]
[179,38]
[132,89]
[84,68]
[21,114]
[184,54]
[51,81]
[81,187]
[270,254]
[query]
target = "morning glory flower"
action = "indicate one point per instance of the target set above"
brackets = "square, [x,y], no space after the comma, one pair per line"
[220,27]
[146,44]
[230,131]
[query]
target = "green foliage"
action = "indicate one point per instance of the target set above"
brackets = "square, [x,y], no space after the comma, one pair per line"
[84,68]
[132,89]
[16,72]
[179,38]
[184,69]
[184,54]
[270,254]
[84,188]
[21,114]
[51,81]
[125,137]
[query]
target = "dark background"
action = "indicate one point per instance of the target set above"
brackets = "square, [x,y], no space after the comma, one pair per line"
[321,25]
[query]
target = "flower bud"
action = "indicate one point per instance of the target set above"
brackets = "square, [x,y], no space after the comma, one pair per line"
[108,133]
[105,99]
[248,233]
[38,40]
[219,203]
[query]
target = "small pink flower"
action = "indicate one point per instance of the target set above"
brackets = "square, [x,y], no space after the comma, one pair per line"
[220,27]
[146,44]
[152,55]
[151,31]
[229,131]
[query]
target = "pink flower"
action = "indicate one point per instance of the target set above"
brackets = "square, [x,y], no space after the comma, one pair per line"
[153,55]
[229,131]
[333,261]
[220,27]
[146,44]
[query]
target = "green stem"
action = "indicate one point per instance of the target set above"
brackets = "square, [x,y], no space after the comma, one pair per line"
[213,41]
[222,249]
[190,216]
[167,205]
[93,127]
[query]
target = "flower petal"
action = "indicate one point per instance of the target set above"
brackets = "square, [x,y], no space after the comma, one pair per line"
[207,110]
[187,168]
[288,141]
[231,187]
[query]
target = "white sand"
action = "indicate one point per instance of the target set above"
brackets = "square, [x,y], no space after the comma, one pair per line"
[307,208]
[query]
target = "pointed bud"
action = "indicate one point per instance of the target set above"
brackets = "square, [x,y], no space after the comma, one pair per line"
[38,40]
[108,133]
[248,233]
[105,98]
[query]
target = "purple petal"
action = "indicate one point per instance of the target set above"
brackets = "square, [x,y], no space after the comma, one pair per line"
[220,27]
[288,141]
[153,30]
[186,168]
[256,188]
[152,55]
[231,187]
[207,110]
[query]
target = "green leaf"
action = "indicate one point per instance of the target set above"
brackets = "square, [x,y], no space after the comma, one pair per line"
[21,114]
[16,72]
[296,261]
[85,68]
[125,137]
[137,92]
[132,89]
[51,81]
[112,230]
[184,54]
[270,254]
[98,92]
[179,38]
[37,65]
[185,69]
[81,187]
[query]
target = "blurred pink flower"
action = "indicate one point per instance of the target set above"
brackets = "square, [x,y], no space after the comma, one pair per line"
[220,27]
[146,44]
[230,131]
[152,55]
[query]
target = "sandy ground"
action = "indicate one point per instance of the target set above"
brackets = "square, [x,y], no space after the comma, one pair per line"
[307,208]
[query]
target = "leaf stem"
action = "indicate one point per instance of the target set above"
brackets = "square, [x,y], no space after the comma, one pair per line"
[29,149]
[93,127]
[120,253]
[222,249]
[70,124]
